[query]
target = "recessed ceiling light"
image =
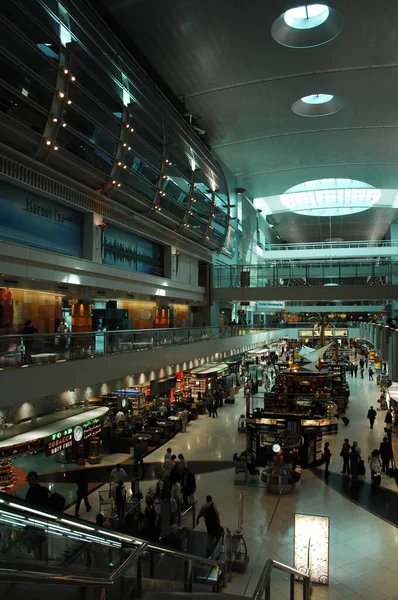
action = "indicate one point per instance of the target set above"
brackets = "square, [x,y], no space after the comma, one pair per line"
[317,105]
[317,98]
[307,26]
[306,16]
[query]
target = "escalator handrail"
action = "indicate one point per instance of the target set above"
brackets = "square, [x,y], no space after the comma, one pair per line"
[45,577]
[6,500]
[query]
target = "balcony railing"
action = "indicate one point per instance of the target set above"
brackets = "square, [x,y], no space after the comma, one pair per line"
[19,350]
[281,273]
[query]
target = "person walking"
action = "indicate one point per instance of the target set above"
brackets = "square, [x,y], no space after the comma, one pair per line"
[37,495]
[345,455]
[117,474]
[355,457]
[63,330]
[28,342]
[209,405]
[168,454]
[355,369]
[327,455]
[388,418]
[362,372]
[139,458]
[82,491]
[371,416]
[215,406]
[120,499]
[371,373]
[375,466]
[385,451]
[168,466]
[211,515]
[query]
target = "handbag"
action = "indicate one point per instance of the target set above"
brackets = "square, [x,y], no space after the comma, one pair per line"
[341,453]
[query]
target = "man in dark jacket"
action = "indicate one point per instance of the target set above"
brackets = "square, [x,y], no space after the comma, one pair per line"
[82,491]
[385,454]
[371,416]
[37,495]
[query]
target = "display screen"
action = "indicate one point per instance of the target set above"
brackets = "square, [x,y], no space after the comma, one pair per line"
[127,250]
[31,220]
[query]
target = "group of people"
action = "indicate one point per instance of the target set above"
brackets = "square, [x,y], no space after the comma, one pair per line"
[363,364]
[353,464]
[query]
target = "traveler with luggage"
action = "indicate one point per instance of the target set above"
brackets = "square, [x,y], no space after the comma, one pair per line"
[355,457]
[345,455]
[371,372]
[375,467]
[385,451]
[371,416]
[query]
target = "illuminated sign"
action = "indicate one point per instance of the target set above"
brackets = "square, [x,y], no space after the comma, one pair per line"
[65,438]
[311,546]
[307,333]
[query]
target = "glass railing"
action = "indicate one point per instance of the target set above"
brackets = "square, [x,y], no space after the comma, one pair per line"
[22,350]
[333,245]
[39,546]
[283,273]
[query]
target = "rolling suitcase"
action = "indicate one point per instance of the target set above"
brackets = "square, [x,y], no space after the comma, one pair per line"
[345,420]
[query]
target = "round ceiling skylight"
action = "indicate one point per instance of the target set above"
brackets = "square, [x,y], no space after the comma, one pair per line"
[317,105]
[317,98]
[307,25]
[330,197]
[306,16]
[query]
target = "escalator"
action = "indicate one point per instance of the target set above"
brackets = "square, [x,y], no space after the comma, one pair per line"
[46,554]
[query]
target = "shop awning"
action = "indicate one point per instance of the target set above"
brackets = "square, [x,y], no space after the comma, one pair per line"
[163,385]
[52,428]
[210,369]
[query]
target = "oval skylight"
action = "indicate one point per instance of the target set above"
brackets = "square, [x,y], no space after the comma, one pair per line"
[330,197]
[317,98]
[317,105]
[306,16]
[307,26]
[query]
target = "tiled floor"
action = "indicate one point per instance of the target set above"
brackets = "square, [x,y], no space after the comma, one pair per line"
[364,547]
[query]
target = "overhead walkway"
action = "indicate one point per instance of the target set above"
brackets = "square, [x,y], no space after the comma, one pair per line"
[307,280]
[359,249]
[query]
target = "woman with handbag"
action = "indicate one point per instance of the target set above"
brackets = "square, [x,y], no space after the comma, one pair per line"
[375,467]
[345,455]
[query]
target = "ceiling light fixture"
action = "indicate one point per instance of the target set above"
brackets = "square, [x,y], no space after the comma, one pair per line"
[307,26]
[317,105]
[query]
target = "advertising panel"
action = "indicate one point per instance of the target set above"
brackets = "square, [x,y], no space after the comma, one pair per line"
[270,305]
[30,220]
[65,438]
[127,250]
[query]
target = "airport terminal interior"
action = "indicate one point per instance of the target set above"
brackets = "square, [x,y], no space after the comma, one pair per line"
[198,299]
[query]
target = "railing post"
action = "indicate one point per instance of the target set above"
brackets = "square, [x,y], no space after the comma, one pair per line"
[188,575]
[292,586]
[139,577]
[267,590]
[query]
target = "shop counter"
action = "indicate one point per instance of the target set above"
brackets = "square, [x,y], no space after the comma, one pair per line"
[145,439]
[156,433]
[169,428]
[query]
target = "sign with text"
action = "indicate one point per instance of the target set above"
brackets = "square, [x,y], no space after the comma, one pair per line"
[270,305]
[307,333]
[56,442]
[31,220]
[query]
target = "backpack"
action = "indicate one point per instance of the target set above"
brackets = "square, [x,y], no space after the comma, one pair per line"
[57,502]
[212,521]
